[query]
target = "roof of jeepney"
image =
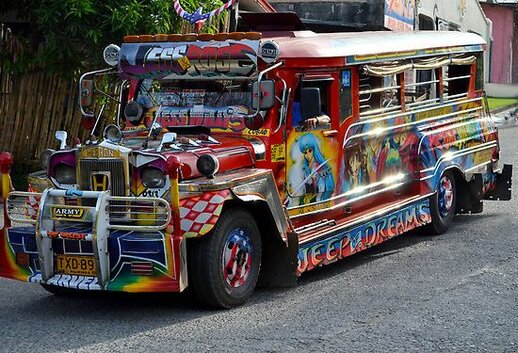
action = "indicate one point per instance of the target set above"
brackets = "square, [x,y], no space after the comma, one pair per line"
[359,47]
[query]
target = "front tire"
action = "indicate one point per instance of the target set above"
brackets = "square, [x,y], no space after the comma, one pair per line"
[442,204]
[224,265]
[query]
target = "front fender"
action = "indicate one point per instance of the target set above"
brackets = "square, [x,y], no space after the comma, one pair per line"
[198,215]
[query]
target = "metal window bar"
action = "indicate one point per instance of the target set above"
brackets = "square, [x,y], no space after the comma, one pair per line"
[380,111]
[421,83]
[424,102]
[455,96]
[449,79]
[381,89]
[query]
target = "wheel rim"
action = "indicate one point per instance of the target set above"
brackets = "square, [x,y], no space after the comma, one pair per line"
[445,196]
[237,258]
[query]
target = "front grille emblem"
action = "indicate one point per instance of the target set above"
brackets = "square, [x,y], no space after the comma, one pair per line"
[99,181]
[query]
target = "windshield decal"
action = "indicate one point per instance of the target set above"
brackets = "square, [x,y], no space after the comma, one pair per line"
[223,118]
[228,59]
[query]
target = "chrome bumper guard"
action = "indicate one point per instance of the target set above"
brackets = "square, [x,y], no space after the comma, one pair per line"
[55,206]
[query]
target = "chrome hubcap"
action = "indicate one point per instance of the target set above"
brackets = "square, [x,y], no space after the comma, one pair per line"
[445,196]
[237,258]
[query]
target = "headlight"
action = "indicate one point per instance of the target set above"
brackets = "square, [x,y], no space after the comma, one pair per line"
[45,158]
[208,165]
[65,174]
[133,112]
[153,177]
[112,133]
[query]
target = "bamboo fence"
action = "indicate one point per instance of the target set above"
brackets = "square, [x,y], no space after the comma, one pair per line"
[32,108]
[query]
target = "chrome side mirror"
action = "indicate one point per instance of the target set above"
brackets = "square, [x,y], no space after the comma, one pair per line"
[169,137]
[263,94]
[61,136]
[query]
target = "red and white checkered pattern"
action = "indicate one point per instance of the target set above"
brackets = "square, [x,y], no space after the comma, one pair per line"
[33,204]
[198,215]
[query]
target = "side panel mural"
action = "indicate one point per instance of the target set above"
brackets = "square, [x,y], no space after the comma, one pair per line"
[349,241]
[380,151]
[311,168]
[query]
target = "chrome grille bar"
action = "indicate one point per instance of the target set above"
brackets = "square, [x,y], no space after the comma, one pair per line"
[115,167]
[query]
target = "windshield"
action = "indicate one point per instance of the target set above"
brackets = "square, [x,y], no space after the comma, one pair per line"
[217,104]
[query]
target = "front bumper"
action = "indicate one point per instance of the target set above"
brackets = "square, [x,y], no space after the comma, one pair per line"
[135,256]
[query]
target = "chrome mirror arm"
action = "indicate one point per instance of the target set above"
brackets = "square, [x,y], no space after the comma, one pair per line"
[80,84]
[259,79]
[284,102]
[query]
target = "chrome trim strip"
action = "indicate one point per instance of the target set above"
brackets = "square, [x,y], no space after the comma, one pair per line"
[367,217]
[344,203]
[443,158]
[381,118]
[264,189]
[380,131]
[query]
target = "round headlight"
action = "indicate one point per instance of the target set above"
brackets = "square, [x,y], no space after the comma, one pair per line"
[65,174]
[45,157]
[152,177]
[112,133]
[133,112]
[207,165]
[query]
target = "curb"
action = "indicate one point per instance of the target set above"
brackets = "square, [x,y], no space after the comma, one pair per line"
[502,109]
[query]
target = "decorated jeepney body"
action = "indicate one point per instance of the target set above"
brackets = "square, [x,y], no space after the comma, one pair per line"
[243,157]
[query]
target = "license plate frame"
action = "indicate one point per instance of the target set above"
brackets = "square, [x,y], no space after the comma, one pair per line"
[78,265]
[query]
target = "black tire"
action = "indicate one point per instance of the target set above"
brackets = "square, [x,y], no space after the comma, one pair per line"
[213,282]
[442,215]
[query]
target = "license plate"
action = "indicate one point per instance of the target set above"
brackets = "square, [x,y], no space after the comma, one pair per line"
[76,265]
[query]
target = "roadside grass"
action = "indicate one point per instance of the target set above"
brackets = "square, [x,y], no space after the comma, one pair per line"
[498,103]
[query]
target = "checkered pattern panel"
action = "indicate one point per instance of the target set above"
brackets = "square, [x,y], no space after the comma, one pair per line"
[198,215]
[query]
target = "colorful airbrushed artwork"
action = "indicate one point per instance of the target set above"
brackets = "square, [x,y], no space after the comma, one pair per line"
[312,170]
[347,242]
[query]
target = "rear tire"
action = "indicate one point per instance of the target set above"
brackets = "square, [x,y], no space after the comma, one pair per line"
[442,204]
[224,265]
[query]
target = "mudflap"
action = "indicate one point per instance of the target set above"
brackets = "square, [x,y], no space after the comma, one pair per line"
[470,196]
[280,268]
[502,188]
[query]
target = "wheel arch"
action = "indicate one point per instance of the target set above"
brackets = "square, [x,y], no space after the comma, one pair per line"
[469,190]
[279,251]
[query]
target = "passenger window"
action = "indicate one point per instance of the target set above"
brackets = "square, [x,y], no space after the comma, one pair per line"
[297,121]
[456,81]
[421,87]
[379,94]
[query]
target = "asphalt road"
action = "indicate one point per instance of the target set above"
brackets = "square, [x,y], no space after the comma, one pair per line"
[457,292]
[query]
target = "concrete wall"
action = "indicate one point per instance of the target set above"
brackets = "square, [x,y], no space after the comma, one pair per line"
[502,45]
[360,14]
[466,15]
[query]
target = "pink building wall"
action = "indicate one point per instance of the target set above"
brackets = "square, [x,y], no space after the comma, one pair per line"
[503,46]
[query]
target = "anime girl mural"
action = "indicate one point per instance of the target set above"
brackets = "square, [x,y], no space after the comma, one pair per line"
[312,180]
[354,167]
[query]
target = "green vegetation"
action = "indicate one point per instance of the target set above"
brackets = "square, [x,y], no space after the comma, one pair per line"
[498,103]
[68,36]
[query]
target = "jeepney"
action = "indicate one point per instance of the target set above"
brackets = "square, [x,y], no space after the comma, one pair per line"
[244,158]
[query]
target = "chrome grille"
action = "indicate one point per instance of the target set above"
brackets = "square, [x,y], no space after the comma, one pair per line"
[115,168]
